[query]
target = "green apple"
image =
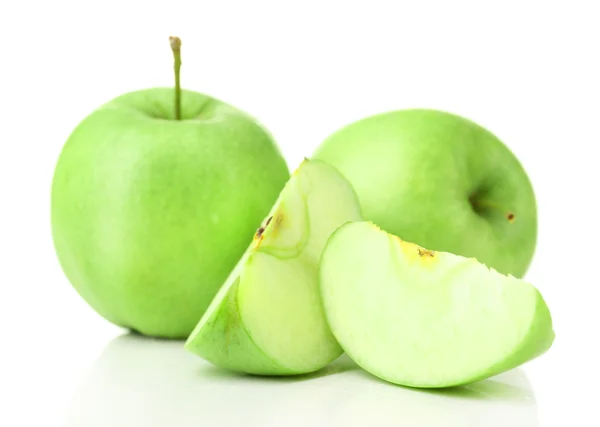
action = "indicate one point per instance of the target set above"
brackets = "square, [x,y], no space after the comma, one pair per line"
[421,318]
[155,197]
[267,319]
[440,181]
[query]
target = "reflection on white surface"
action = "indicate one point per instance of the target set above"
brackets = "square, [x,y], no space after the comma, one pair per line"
[143,382]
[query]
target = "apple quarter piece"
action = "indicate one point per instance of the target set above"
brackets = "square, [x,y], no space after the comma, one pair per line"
[427,319]
[267,319]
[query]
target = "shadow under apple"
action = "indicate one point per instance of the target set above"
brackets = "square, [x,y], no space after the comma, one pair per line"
[139,381]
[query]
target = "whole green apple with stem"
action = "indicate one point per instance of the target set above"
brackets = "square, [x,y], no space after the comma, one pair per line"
[155,197]
[441,181]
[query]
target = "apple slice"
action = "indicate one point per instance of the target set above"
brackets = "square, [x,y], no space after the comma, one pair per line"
[426,319]
[267,318]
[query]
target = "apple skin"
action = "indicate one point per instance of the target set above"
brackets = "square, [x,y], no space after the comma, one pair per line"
[150,214]
[430,177]
[229,345]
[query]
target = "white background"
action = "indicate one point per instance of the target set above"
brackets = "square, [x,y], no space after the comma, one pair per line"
[528,71]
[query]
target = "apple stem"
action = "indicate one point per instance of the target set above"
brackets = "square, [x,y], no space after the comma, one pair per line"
[478,204]
[175,43]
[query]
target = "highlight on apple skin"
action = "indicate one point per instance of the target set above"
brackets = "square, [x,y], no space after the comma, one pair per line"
[441,181]
[423,318]
[155,197]
[267,318]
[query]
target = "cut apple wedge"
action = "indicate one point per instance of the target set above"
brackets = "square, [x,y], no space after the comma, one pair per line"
[426,319]
[267,318]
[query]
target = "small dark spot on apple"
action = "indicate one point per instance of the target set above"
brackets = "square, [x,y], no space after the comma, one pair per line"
[261,230]
[510,216]
[425,252]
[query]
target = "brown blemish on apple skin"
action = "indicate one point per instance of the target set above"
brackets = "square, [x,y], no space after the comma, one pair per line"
[510,217]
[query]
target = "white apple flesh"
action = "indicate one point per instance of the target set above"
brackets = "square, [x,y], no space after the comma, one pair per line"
[267,318]
[426,319]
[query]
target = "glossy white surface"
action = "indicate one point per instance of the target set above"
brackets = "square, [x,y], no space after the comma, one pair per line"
[141,382]
[527,70]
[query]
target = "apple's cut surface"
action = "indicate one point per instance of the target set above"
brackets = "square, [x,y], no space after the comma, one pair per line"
[267,318]
[428,319]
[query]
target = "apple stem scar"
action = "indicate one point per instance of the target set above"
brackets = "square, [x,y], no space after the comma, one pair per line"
[482,204]
[175,43]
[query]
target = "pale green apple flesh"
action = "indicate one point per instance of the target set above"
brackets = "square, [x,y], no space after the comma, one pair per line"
[267,318]
[426,319]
